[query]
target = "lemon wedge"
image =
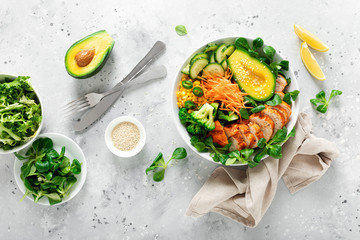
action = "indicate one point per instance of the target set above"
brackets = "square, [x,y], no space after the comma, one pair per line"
[310,62]
[313,41]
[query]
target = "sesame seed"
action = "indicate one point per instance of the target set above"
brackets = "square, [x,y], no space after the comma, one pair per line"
[125,136]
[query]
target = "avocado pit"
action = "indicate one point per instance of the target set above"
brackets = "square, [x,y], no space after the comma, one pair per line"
[84,57]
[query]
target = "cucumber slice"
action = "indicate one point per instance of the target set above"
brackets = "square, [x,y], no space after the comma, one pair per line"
[199,55]
[224,64]
[213,68]
[212,57]
[219,54]
[229,50]
[186,69]
[197,66]
[211,47]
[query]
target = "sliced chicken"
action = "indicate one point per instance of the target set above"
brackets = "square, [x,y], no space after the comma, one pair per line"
[278,119]
[248,137]
[280,83]
[286,107]
[281,94]
[265,123]
[256,131]
[283,112]
[234,135]
[218,134]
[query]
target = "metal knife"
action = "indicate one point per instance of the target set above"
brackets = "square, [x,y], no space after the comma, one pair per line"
[93,114]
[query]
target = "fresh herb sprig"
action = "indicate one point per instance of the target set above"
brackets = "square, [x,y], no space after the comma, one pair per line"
[321,103]
[47,173]
[272,148]
[159,166]
[291,96]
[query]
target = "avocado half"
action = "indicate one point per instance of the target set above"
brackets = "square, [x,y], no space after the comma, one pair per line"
[87,56]
[253,77]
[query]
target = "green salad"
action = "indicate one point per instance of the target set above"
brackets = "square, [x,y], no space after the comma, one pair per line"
[20,112]
[234,101]
[47,173]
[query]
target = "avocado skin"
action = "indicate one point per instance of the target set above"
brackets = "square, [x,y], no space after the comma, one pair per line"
[99,67]
[262,63]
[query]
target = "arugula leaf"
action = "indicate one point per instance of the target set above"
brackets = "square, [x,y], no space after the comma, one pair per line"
[159,166]
[181,30]
[321,102]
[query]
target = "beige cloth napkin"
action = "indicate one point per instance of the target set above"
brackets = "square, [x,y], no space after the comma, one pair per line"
[245,195]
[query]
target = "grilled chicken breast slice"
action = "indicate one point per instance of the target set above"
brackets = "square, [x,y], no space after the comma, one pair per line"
[265,123]
[256,131]
[278,119]
[280,83]
[234,135]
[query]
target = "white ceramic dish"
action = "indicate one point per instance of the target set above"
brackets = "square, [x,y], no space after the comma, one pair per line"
[18,148]
[110,145]
[72,151]
[229,40]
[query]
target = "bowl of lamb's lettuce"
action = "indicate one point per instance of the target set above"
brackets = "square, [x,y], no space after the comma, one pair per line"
[20,113]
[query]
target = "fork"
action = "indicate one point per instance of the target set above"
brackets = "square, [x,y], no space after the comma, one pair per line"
[91,99]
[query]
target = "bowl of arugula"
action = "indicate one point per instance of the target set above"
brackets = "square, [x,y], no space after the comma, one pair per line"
[20,113]
[51,171]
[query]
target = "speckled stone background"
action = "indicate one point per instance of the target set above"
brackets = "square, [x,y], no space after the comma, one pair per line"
[118,201]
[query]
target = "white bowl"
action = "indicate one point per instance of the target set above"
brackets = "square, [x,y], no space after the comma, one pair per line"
[110,145]
[18,148]
[181,129]
[72,151]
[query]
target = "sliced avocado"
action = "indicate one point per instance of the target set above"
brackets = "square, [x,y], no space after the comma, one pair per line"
[253,77]
[87,56]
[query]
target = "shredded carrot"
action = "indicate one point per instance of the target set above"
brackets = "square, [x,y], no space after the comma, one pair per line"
[219,88]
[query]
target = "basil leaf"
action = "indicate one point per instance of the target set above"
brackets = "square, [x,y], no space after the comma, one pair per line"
[242,43]
[244,113]
[257,109]
[181,30]
[257,43]
[269,52]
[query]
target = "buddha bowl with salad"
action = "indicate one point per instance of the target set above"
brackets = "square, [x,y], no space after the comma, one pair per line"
[235,101]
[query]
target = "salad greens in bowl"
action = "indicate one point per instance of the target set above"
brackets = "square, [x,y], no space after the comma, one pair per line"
[51,171]
[20,113]
[235,101]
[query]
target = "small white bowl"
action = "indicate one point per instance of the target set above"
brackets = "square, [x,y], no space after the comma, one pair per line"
[18,148]
[72,151]
[110,145]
